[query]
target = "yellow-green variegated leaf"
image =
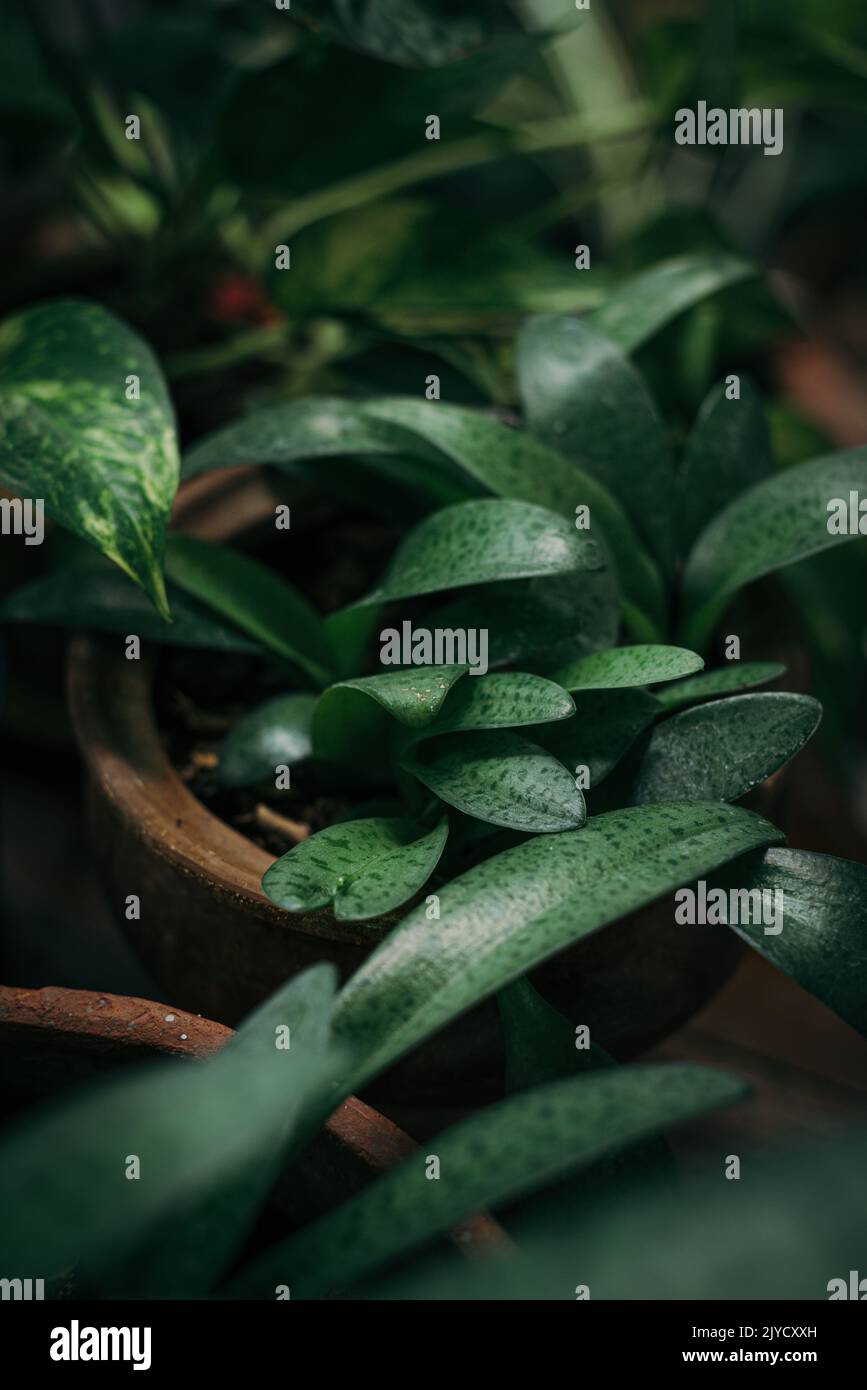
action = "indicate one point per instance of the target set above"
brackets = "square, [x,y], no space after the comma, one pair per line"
[86,425]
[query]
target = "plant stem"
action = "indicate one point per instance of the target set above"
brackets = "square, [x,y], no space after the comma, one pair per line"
[561,132]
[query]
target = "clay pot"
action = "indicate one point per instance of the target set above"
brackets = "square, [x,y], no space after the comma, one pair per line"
[54,1038]
[213,940]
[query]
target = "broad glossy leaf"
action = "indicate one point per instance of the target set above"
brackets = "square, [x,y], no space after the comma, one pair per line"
[506,701]
[199,1129]
[605,726]
[728,450]
[823,942]
[512,463]
[106,467]
[627,666]
[418,33]
[255,599]
[506,915]
[796,1226]
[362,868]
[481,542]
[583,396]
[721,750]
[725,680]
[540,1043]
[300,436]
[350,633]
[274,733]
[537,618]
[97,598]
[648,300]
[352,720]
[501,778]
[452,448]
[779,521]
[498,1154]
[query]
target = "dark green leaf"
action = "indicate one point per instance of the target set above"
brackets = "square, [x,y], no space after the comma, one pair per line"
[647,301]
[721,750]
[822,944]
[500,778]
[362,868]
[106,467]
[275,733]
[627,666]
[198,1130]
[509,913]
[255,599]
[540,1043]
[605,725]
[538,618]
[726,680]
[505,701]
[352,719]
[504,1151]
[97,598]
[418,33]
[583,396]
[480,542]
[779,521]
[728,451]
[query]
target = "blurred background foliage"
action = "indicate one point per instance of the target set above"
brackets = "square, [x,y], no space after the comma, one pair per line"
[262,126]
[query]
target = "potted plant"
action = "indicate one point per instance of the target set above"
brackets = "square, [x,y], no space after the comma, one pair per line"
[545,552]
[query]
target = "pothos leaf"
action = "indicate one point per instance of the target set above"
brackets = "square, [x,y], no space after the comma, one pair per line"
[86,425]
[362,868]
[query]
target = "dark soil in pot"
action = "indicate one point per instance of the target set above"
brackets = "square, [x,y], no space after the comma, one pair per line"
[208,934]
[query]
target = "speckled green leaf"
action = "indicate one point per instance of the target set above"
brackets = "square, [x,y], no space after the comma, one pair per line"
[605,726]
[500,778]
[728,450]
[105,467]
[255,599]
[415,33]
[311,437]
[627,666]
[352,720]
[362,868]
[725,680]
[583,396]
[513,463]
[100,598]
[823,942]
[538,618]
[506,701]
[721,750]
[201,1130]
[643,303]
[481,542]
[539,1041]
[505,1151]
[779,521]
[277,732]
[450,447]
[506,915]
